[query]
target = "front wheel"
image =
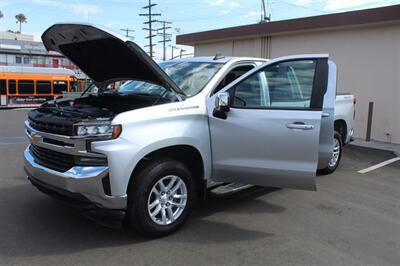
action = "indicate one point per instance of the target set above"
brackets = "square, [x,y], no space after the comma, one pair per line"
[336,155]
[160,198]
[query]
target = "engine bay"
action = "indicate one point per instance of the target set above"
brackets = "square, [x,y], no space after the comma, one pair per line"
[60,115]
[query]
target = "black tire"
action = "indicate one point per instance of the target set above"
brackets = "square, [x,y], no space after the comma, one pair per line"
[332,168]
[138,216]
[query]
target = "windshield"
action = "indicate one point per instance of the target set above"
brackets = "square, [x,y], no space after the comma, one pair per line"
[191,78]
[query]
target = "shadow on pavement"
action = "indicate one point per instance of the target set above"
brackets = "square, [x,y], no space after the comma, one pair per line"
[33,224]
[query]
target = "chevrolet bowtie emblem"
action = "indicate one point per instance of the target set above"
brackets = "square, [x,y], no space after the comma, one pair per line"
[35,137]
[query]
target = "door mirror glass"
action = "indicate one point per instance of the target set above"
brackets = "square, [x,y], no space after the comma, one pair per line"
[221,105]
[222,102]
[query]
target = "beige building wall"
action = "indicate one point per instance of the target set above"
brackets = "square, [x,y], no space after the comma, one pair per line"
[368,60]
[16,36]
[209,49]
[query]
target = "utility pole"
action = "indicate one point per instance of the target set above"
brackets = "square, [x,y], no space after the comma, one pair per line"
[127,31]
[265,17]
[150,22]
[172,51]
[166,37]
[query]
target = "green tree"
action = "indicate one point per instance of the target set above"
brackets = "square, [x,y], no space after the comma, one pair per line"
[21,18]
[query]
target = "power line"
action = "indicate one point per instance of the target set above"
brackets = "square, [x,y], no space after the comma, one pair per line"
[150,22]
[166,37]
[303,7]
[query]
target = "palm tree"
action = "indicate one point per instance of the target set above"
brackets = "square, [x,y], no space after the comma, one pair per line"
[21,18]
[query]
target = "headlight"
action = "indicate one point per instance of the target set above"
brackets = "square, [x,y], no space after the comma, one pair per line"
[95,129]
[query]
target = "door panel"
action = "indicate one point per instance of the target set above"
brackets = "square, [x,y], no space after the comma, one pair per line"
[328,119]
[263,151]
[271,134]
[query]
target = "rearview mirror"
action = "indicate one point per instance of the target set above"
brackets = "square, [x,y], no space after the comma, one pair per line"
[221,105]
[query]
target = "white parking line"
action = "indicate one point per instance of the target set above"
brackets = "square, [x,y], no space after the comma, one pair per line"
[382,164]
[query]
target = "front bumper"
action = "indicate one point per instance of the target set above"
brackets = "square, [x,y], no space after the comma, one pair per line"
[84,181]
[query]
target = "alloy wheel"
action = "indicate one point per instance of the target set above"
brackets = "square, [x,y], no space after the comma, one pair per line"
[167,200]
[335,154]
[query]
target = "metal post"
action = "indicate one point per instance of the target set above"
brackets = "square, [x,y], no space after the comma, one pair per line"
[369,123]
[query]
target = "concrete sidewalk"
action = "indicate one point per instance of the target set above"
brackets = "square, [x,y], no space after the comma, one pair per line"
[378,145]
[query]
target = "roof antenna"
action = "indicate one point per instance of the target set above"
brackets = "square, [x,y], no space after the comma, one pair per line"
[264,17]
[218,56]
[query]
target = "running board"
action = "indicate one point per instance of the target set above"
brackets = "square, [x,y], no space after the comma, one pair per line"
[228,189]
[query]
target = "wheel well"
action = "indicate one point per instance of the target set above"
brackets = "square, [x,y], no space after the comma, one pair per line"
[186,154]
[341,127]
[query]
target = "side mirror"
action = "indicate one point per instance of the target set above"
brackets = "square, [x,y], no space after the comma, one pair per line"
[221,105]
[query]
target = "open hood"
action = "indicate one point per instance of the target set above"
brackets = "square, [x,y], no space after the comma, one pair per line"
[104,55]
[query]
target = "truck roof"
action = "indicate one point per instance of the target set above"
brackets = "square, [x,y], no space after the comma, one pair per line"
[221,59]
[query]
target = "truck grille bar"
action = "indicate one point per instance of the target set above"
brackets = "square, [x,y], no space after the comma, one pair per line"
[54,160]
[51,128]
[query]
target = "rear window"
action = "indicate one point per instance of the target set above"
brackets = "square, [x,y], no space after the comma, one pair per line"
[3,87]
[26,87]
[43,87]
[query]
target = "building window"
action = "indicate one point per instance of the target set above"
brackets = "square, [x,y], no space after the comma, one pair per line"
[12,87]
[3,59]
[3,88]
[18,60]
[26,87]
[43,87]
[41,60]
[59,87]
[26,60]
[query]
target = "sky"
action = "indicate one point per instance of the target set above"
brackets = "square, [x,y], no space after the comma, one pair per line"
[186,16]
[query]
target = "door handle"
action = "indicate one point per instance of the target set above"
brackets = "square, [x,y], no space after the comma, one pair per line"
[326,115]
[300,125]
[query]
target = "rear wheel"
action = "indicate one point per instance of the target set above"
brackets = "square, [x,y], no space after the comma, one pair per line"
[160,198]
[336,155]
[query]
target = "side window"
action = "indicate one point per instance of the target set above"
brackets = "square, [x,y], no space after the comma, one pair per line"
[43,87]
[286,85]
[26,87]
[12,87]
[60,86]
[251,93]
[3,87]
[233,75]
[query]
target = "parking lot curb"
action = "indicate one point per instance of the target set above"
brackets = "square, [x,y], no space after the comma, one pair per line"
[393,147]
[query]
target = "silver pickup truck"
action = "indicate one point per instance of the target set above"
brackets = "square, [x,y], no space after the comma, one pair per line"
[145,152]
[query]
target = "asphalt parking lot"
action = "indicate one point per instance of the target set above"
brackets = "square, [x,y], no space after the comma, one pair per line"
[353,219]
